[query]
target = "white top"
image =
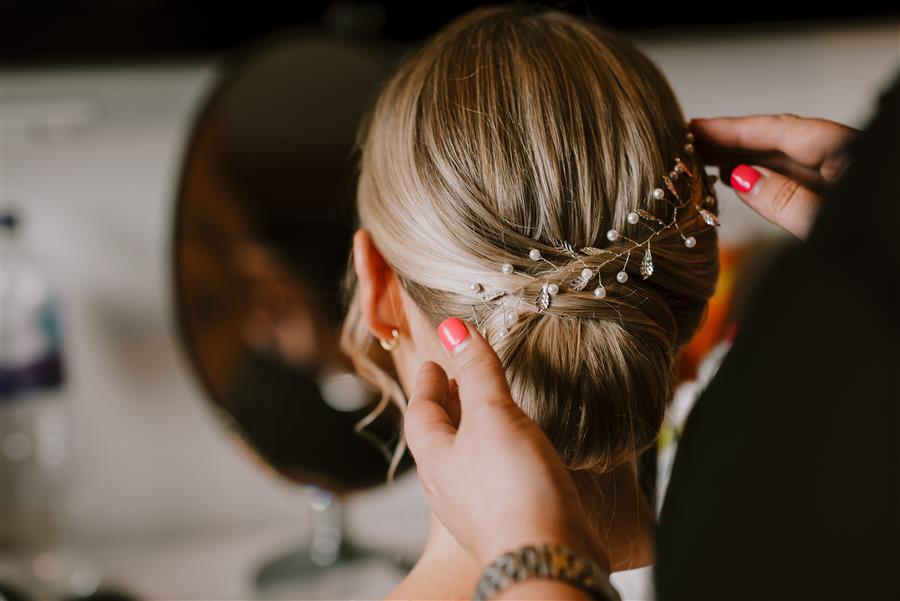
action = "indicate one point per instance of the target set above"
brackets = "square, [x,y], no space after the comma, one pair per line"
[634,585]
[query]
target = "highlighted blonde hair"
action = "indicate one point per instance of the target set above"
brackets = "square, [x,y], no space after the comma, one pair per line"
[513,128]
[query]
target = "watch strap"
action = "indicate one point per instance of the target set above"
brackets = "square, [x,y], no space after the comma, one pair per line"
[547,560]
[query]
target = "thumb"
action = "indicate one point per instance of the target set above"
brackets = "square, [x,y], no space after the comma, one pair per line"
[427,426]
[777,198]
[478,371]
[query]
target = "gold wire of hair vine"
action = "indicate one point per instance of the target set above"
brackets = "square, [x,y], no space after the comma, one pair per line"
[652,222]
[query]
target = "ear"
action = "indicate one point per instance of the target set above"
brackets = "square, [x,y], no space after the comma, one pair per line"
[379,288]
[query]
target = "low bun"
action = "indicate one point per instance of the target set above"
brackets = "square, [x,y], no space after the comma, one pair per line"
[608,380]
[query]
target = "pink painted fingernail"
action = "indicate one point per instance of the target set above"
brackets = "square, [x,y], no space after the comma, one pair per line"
[454,334]
[744,177]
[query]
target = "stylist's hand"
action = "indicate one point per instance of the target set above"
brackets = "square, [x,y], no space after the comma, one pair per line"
[779,165]
[491,475]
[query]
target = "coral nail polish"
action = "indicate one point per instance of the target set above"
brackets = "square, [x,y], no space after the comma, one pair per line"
[744,177]
[454,334]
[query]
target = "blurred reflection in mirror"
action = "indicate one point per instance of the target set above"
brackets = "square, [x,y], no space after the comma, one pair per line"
[262,237]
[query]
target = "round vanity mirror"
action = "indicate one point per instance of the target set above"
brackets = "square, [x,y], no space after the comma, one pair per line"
[261,246]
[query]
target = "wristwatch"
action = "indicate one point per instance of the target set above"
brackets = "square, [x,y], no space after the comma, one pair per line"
[547,560]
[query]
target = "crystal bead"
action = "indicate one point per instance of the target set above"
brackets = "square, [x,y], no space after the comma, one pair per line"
[659,193]
[534,254]
[600,292]
[476,287]
[507,268]
[586,274]
[690,242]
[511,318]
[621,277]
[612,235]
[633,218]
[553,289]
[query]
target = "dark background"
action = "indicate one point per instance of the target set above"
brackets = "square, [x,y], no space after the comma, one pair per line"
[34,32]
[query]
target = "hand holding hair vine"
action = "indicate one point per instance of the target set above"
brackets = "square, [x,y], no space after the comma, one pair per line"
[657,226]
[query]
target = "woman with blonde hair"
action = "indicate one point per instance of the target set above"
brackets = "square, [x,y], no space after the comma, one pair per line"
[530,171]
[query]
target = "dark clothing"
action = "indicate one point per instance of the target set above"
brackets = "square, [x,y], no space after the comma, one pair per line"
[786,479]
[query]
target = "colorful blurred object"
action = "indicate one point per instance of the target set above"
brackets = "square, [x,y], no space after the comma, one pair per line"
[720,323]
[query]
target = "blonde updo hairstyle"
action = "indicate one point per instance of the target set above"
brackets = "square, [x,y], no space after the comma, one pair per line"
[515,128]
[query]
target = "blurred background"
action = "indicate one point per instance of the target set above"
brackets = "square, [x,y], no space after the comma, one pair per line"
[175,220]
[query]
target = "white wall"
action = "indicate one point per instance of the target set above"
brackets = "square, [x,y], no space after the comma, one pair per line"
[98,205]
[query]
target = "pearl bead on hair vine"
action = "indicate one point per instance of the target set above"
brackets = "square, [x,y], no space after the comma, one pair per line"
[656,226]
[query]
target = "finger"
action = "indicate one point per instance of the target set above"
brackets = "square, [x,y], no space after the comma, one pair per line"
[727,159]
[427,426]
[777,198]
[807,141]
[476,366]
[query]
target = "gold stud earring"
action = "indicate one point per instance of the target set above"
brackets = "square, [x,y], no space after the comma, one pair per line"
[389,346]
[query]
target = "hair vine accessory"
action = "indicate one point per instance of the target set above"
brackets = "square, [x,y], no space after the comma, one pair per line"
[667,192]
[390,345]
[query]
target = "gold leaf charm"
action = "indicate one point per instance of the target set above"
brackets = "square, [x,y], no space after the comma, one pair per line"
[580,282]
[709,217]
[543,299]
[492,294]
[590,250]
[671,186]
[685,170]
[647,264]
[649,215]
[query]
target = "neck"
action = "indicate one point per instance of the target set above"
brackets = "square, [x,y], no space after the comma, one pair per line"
[622,519]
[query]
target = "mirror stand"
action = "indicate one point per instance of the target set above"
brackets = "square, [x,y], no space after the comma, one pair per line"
[329,549]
